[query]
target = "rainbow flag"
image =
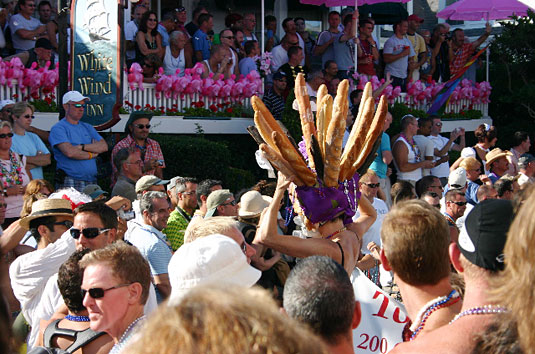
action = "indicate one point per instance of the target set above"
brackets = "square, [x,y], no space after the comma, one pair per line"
[444,95]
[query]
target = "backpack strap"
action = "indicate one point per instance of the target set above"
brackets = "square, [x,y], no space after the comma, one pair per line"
[80,338]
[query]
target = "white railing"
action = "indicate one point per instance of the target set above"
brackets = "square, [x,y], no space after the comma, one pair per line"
[141,98]
[461,105]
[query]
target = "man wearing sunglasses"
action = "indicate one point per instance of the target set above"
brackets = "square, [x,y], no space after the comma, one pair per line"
[29,273]
[455,206]
[138,129]
[75,145]
[186,195]
[221,203]
[369,185]
[147,236]
[25,28]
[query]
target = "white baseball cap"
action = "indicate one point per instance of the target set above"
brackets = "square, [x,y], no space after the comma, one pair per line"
[207,260]
[74,96]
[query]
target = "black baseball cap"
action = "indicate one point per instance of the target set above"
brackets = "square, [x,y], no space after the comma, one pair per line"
[279,75]
[43,43]
[483,235]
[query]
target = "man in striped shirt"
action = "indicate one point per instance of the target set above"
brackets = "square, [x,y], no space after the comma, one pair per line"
[273,99]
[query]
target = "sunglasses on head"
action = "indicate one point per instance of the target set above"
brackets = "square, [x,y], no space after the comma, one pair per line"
[79,105]
[90,232]
[141,126]
[67,223]
[8,135]
[97,293]
[459,203]
[372,185]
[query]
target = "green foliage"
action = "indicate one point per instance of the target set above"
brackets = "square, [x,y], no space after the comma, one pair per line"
[291,119]
[45,106]
[512,76]
[468,114]
[197,109]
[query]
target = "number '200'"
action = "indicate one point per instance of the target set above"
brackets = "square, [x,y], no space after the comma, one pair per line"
[374,343]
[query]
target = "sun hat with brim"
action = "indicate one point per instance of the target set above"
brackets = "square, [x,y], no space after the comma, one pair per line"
[215,199]
[148,181]
[496,154]
[135,116]
[47,207]
[251,204]
[214,259]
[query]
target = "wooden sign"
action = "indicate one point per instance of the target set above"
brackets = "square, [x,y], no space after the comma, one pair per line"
[96,60]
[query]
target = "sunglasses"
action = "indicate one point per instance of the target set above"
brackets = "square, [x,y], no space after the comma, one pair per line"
[141,126]
[97,293]
[459,203]
[27,116]
[433,194]
[180,9]
[152,20]
[79,105]
[230,203]
[438,124]
[372,185]
[228,37]
[243,247]
[8,135]
[90,232]
[67,223]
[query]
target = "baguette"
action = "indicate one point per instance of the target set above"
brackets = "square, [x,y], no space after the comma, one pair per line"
[356,139]
[280,163]
[376,129]
[322,92]
[366,93]
[295,159]
[323,118]
[305,113]
[335,135]
[264,129]
[259,106]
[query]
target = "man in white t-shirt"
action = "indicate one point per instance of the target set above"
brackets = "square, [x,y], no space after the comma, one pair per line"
[288,25]
[368,186]
[130,31]
[426,146]
[442,146]
[396,53]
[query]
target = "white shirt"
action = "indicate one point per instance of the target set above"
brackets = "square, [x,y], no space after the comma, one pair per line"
[442,170]
[280,57]
[374,232]
[171,64]
[427,148]
[130,31]
[412,157]
[30,273]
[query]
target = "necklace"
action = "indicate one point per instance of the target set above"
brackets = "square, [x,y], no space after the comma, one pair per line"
[294,73]
[336,232]
[77,318]
[414,147]
[449,219]
[117,348]
[480,310]
[14,175]
[432,306]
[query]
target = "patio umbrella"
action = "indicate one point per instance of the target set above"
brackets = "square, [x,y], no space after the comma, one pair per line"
[356,3]
[476,10]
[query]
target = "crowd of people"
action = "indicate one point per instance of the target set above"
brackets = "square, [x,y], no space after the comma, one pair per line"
[187,265]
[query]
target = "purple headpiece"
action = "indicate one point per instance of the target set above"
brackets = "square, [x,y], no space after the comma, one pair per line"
[321,204]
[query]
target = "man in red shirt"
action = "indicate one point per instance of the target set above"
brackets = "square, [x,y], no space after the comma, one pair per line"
[369,52]
[460,51]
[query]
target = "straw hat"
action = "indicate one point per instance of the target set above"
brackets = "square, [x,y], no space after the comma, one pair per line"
[47,207]
[251,204]
[496,154]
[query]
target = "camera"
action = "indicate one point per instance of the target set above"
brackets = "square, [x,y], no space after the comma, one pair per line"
[126,215]
[160,162]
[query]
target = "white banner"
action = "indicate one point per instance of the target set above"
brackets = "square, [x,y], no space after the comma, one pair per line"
[383,318]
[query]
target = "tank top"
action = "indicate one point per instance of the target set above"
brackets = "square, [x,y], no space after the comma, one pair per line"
[412,175]
[171,63]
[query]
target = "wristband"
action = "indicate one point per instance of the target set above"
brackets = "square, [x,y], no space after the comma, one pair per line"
[83,147]
[90,155]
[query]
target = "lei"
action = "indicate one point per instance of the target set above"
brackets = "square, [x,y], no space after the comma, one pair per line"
[14,176]
[414,147]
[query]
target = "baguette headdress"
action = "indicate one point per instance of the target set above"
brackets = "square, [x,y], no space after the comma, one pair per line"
[325,175]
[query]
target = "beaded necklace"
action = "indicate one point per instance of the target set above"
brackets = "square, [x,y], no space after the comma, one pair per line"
[336,233]
[414,147]
[480,310]
[432,306]
[117,348]
[77,318]
[449,219]
[294,73]
[14,176]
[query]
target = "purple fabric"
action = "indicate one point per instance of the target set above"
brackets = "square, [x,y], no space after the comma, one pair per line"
[324,203]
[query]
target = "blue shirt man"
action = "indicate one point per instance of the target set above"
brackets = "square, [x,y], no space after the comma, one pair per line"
[75,145]
[201,43]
